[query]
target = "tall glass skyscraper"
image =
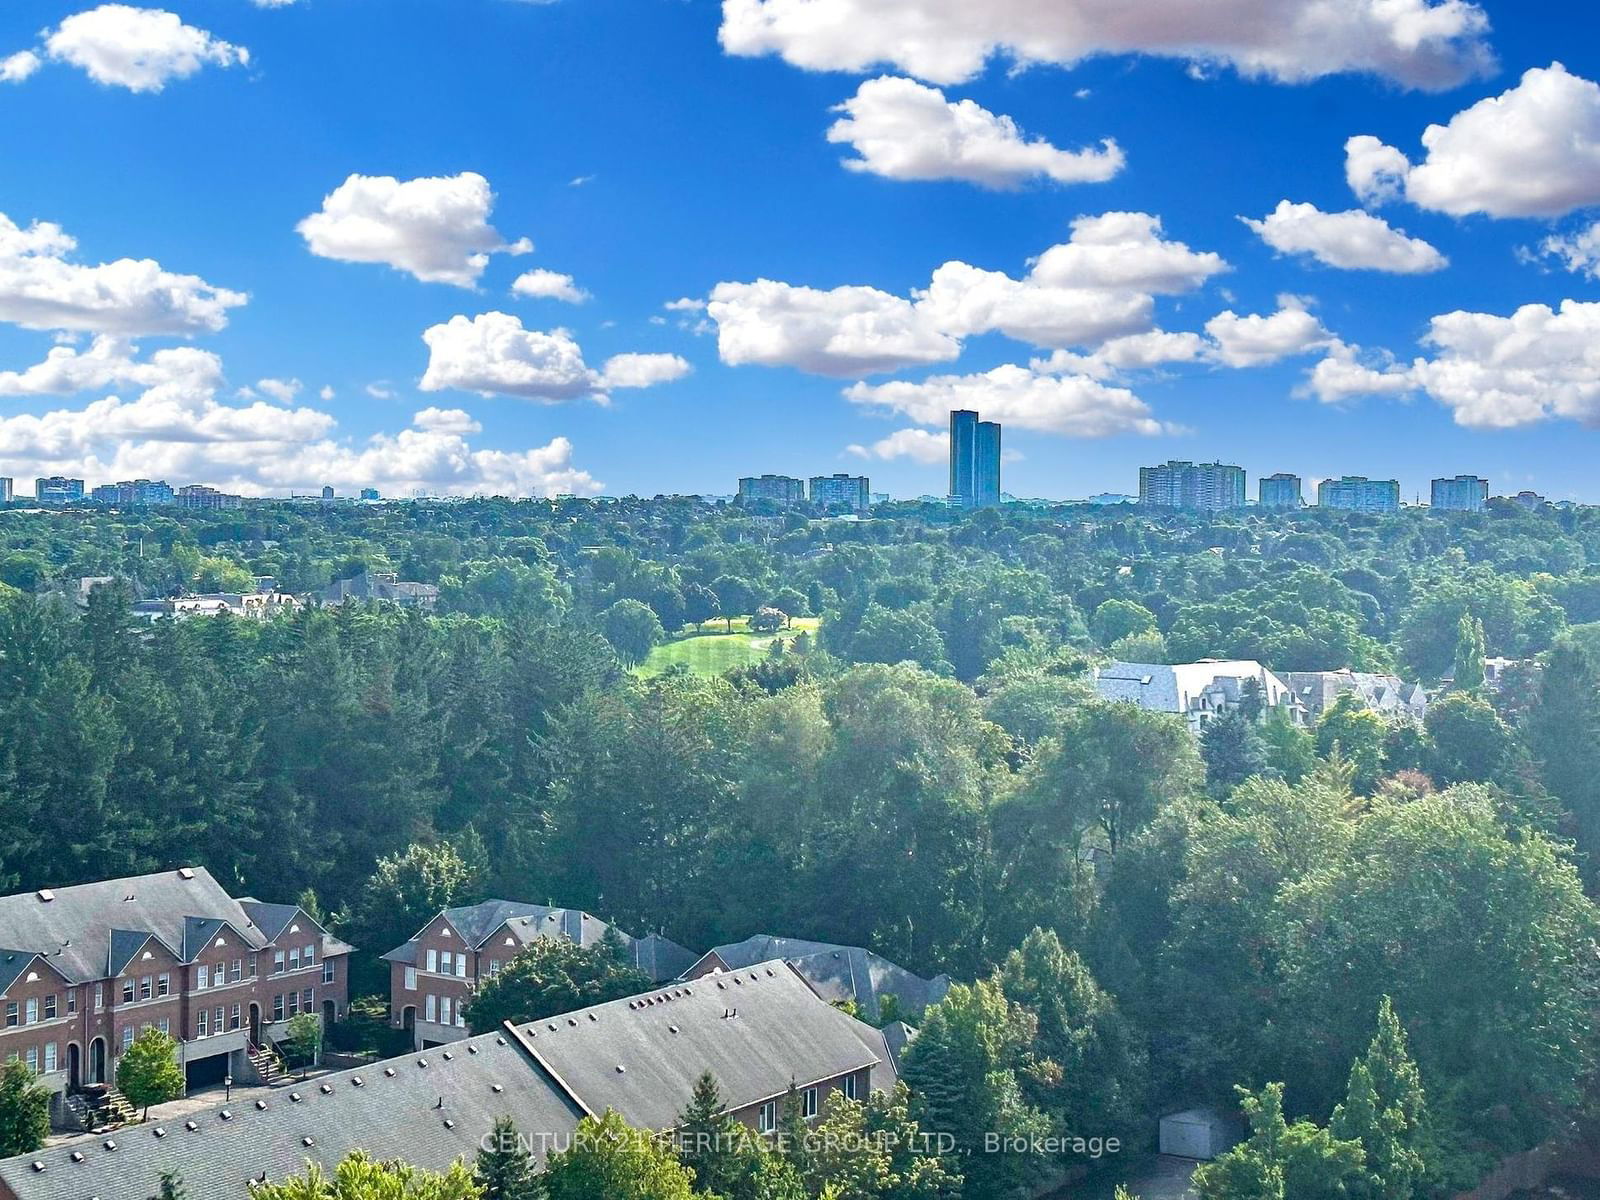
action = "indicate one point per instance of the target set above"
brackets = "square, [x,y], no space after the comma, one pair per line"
[974,460]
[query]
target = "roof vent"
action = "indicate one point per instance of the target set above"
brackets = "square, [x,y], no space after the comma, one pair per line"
[308,1140]
[226,1114]
[594,1018]
[448,1056]
[261,1106]
[496,1088]
[37,1165]
[499,1041]
[672,1029]
[571,1022]
[356,1080]
[296,1097]
[111,1143]
[77,1156]
[190,1126]
[472,1049]
[327,1089]
[185,872]
[46,895]
[159,1131]
[422,1062]
[389,1071]
[621,1070]
[449,1124]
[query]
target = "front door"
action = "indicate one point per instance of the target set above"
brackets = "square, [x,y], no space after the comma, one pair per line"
[97,1061]
[73,1067]
[255,1024]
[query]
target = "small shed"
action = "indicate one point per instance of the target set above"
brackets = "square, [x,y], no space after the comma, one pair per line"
[1199,1133]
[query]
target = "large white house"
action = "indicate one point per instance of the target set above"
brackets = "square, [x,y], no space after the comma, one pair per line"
[1196,691]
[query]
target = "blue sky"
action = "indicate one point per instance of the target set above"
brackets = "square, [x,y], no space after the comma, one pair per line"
[660,151]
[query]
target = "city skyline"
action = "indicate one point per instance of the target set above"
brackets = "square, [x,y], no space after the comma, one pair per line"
[462,299]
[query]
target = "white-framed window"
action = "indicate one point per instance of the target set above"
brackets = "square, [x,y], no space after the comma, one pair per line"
[147,987]
[308,1000]
[72,1001]
[33,1059]
[411,979]
[127,991]
[127,1037]
[165,1025]
[13,1014]
[494,966]
[808,1104]
[430,1008]
[52,1061]
[277,1008]
[32,1011]
[202,1023]
[327,971]
[767,1117]
[219,974]
[433,962]
[277,962]
[309,956]
[50,1007]
[294,958]
[444,1011]
[221,1015]
[849,1087]
[163,984]
[447,963]
[202,977]
[461,965]
[99,997]
[238,970]
[233,1017]
[294,1004]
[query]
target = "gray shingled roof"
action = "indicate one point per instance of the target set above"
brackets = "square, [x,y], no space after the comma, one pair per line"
[435,1113]
[396,1115]
[91,931]
[529,922]
[642,1056]
[840,973]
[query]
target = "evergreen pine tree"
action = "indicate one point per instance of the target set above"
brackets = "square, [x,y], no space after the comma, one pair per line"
[1470,652]
[1386,1111]
[709,1140]
[505,1166]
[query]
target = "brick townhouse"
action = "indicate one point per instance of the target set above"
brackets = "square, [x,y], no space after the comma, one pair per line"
[759,1031]
[433,975]
[85,969]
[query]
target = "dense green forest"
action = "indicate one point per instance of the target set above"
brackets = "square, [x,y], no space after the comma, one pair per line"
[1140,920]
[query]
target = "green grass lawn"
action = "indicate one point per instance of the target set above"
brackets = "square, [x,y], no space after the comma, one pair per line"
[716,650]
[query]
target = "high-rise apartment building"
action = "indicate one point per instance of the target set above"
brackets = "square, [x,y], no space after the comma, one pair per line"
[7,490]
[782,489]
[1357,493]
[841,491]
[1280,491]
[974,460]
[57,489]
[133,493]
[1206,487]
[1464,493]
[198,495]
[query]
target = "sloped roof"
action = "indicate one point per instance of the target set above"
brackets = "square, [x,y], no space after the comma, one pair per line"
[1174,688]
[401,1115]
[91,930]
[435,1107]
[839,973]
[12,964]
[642,1056]
[526,923]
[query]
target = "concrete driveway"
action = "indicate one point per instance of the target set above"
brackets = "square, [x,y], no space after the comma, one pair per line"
[1155,1178]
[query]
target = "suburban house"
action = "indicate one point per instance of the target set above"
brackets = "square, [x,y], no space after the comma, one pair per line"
[380,585]
[433,975]
[1197,691]
[1387,695]
[759,1031]
[839,974]
[251,606]
[85,969]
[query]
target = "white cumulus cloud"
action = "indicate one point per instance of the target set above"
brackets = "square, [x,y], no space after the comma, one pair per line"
[492,354]
[540,284]
[436,229]
[1353,240]
[1432,44]
[1533,151]
[41,288]
[1070,405]
[1255,340]
[14,68]
[140,49]
[1579,251]
[901,129]
[1099,284]
[919,445]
